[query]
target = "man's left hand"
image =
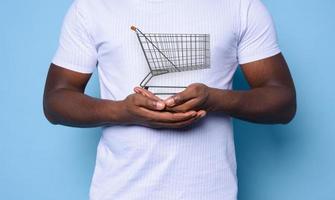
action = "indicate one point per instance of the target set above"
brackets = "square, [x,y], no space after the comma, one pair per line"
[195,97]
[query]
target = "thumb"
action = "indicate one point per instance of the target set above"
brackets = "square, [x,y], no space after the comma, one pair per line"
[149,103]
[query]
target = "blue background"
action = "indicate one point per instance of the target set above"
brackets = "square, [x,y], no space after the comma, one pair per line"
[39,161]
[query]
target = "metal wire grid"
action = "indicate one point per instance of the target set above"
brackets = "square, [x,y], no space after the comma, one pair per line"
[175,52]
[166,53]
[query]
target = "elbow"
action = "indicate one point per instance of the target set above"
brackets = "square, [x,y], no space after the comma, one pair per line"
[50,118]
[288,116]
[47,110]
[289,111]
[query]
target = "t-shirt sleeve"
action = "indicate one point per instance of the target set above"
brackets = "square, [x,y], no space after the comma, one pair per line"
[76,50]
[257,35]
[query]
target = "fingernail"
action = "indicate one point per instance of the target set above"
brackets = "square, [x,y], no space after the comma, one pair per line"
[160,105]
[169,101]
[203,115]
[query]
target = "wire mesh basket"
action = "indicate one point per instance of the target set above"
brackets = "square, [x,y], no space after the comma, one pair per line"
[169,53]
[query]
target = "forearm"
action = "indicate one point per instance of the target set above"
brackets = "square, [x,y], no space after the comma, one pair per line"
[269,104]
[72,108]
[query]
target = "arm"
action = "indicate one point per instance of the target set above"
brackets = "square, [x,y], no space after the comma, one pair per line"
[271,98]
[65,103]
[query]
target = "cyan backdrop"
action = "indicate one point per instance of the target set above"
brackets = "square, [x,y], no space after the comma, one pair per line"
[39,161]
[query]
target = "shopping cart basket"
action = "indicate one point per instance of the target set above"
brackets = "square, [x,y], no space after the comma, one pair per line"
[168,53]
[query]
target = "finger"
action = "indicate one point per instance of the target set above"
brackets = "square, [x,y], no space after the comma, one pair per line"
[180,97]
[179,124]
[201,113]
[146,93]
[153,116]
[148,103]
[192,104]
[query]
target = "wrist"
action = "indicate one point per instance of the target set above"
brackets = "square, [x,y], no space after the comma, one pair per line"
[220,100]
[211,104]
[115,110]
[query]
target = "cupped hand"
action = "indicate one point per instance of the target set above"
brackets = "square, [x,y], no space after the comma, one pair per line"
[195,97]
[144,108]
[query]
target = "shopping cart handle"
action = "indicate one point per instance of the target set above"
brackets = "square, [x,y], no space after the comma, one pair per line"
[133,28]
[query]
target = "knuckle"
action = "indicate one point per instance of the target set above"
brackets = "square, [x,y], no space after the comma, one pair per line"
[136,100]
[193,85]
[149,103]
[199,88]
[178,98]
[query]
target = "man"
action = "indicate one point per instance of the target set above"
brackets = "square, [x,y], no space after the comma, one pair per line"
[176,148]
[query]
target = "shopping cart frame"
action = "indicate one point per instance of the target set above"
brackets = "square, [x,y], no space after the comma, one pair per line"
[164,53]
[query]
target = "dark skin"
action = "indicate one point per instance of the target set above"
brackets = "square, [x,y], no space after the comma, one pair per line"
[272,97]
[65,103]
[270,100]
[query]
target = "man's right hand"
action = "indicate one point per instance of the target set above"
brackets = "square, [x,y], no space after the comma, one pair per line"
[149,111]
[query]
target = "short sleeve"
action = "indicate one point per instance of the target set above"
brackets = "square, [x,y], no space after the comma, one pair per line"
[76,50]
[257,35]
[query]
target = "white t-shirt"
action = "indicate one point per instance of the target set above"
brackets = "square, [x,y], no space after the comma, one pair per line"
[140,163]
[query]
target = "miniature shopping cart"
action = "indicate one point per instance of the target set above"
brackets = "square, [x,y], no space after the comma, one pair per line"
[168,53]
